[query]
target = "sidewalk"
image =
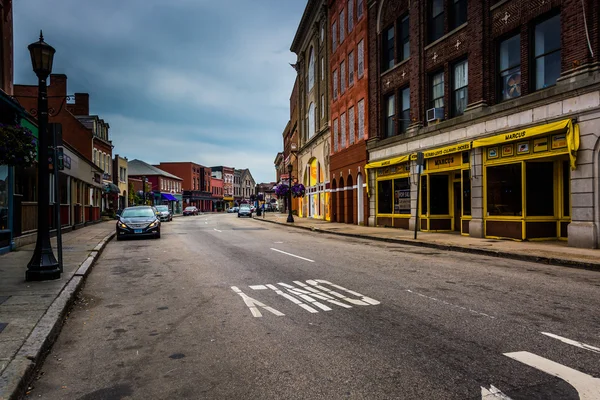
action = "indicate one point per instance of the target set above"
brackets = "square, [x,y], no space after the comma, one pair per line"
[31,312]
[547,252]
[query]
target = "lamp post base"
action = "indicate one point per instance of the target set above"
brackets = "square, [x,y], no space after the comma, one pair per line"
[43,267]
[290,218]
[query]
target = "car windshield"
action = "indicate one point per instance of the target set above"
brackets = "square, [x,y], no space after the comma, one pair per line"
[137,213]
[190,208]
[162,208]
[244,206]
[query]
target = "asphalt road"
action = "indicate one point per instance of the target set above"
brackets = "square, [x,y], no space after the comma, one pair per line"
[225,308]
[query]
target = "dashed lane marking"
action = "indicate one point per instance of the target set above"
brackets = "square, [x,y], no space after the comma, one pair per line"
[572,342]
[451,305]
[292,255]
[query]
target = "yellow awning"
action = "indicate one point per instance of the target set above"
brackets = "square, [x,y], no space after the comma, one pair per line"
[387,163]
[442,151]
[572,131]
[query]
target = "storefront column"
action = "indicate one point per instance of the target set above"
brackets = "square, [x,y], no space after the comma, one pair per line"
[372,187]
[414,177]
[476,223]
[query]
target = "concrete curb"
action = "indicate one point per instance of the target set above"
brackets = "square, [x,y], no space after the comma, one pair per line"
[19,372]
[562,262]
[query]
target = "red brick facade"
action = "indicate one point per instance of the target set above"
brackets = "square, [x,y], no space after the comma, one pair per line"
[6,46]
[349,154]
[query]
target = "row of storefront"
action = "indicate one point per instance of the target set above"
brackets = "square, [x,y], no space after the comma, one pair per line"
[525,191]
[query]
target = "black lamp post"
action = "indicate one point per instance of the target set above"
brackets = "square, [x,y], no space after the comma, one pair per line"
[144,190]
[43,265]
[290,217]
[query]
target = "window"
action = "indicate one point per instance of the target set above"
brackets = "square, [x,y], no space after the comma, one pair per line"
[509,68]
[322,106]
[566,188]
[359,9]
[95,157]
[343,131]
[504,190]
[539,191]
[405,109]
[439,198]
[402,196]
[351,131]
[311,120]
[458,13]
[322,68]
[335,84]
[404,50]
[350,15]
[351,68]
[322,37]
[390,115]
[334,35]
[436,20]
[342,27]
[437,90]
[466,188]
[460,90]
[547,52]
[311,69]
[342,77]
[384,197]
[335,134]
[361,58]
[361,119]
[388,49]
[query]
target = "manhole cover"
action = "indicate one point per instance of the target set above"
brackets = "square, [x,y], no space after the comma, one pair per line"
[2,326]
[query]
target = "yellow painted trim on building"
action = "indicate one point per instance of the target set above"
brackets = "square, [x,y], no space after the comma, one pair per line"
[442,151]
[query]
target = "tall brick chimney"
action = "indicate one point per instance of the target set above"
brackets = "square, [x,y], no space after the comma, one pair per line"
[82,104]
[58,85]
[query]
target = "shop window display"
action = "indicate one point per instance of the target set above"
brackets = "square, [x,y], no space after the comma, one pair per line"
[439,199]
[539,191]
[384,197]
[504,190]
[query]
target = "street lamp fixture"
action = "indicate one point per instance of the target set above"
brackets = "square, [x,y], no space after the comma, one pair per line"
[43,265]
[290,217]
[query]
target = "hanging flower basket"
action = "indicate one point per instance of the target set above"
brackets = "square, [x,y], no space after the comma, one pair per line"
[298,190]
[18,146]
[282,190]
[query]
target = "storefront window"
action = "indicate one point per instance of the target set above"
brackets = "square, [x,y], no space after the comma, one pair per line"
[402,196]
[439,198]
[4,197]
[384,197]
[504,190]
[566,177]
[424,207]
[540,188]
[466,200]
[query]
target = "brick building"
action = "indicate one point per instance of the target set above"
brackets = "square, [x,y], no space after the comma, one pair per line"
[349,69]
[216,185]
[227,174]
[503,99]
[165,188]
[196,189]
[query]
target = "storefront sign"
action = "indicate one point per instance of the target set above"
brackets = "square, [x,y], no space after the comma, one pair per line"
[540,145]
[525,133]
[396,169]
[402,201]
[559,141]
[451,161]
[387,163]
[448,150]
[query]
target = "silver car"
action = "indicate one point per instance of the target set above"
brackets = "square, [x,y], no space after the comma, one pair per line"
[245,211]
[164,213]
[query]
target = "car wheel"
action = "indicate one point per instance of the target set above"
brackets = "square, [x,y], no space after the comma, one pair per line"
[157,236]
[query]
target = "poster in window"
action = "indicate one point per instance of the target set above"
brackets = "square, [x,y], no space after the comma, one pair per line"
[492,152]
[508,150]
[559,141]
[402,201]
[540,145]
[523,148]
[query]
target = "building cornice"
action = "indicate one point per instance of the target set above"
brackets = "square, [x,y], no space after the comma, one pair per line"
[305,25]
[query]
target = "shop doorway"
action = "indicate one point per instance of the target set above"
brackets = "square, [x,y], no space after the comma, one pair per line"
[457,206]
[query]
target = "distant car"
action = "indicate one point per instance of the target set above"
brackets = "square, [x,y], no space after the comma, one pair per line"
[164,213]
[231,210]
[191,210]
[245,211]
[140,221]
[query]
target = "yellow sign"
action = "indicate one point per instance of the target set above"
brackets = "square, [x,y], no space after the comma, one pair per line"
[447,150]
[540,145]
[385,163]
[393,170]
[450,161]
[559,141]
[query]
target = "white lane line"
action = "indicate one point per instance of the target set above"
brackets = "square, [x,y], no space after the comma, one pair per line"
[572,342]
[253,304]
[278,242]
[205,222]
[451,305]
[293,255]
[493,393]
[587,386]
[258,287]
[217,230]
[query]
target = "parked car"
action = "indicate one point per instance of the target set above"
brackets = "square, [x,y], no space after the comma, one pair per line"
[245,211]
[191,210]
[165,214]
[230,210]
[139,221]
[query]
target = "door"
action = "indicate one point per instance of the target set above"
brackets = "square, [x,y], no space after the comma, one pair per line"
[457,206]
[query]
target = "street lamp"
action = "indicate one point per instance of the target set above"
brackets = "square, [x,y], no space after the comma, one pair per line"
[290,217]
[144,190]
[43,265]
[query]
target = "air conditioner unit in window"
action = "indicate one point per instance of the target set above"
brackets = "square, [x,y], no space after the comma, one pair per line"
[435,114]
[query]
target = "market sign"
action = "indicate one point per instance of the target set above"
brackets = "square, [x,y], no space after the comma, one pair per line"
[456,148]
[451,161]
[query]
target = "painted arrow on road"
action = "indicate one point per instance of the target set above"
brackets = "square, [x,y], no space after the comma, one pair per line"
[493,393]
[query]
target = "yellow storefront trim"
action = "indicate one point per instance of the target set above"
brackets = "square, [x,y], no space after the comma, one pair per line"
[384,163]
[572,132]
[442,151]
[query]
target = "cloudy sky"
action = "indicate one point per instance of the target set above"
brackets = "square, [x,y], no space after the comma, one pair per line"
[207,81]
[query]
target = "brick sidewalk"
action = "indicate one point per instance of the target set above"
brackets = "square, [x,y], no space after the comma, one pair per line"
[30,312]
[549,252]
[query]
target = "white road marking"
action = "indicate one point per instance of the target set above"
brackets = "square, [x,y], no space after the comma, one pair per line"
[253,304]
[278,242]
[364,301]
[206,222]
[258,287]
[572,342]
[293,255]
[292,299]
[451,305]
[493,393]
[217,230]
[587,386]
